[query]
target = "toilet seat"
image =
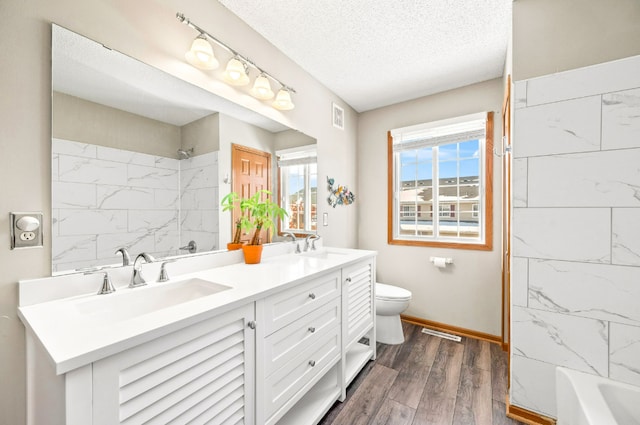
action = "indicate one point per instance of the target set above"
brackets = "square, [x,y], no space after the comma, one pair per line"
[391,293]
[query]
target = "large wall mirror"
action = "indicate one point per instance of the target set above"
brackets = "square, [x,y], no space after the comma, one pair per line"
[140,158]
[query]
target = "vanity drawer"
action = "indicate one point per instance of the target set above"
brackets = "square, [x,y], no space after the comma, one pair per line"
[291,304]
[284,383]
[284,345]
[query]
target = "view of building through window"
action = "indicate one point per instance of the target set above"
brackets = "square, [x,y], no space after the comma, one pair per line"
[457,166]
[298,190]
[437,180]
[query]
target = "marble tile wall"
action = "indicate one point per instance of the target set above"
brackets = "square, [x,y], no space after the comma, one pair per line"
[575,274]
[105,198]
[199,201]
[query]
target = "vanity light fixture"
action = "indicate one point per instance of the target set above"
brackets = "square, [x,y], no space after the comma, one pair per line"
[283,100]
[202,56]
[236,72]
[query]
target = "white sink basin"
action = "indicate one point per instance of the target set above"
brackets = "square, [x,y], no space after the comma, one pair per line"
[323,253]
[132,302]
[584,399]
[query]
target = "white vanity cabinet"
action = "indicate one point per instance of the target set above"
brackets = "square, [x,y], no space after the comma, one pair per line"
[281,354]
[358,304]
[203,373]
[302,342]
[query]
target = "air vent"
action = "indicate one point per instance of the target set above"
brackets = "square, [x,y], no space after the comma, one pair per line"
[455,338]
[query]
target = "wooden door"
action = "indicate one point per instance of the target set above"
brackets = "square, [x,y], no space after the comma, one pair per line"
[506,214]
[251,172]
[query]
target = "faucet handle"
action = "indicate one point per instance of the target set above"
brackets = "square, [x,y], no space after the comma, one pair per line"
[164,276]
[107,287]
[313,243]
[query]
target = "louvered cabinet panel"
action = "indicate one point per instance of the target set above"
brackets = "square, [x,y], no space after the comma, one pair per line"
[358,300]
[202,374]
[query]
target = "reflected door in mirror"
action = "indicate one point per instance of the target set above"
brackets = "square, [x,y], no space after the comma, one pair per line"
[251,173]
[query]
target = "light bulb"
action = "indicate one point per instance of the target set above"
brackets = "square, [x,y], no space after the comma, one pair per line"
[283,100]
[236,73]
[262,88]
[201,54]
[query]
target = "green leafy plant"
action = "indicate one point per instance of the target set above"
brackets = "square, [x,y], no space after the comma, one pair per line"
[262,214]
[229,203]
[257,213]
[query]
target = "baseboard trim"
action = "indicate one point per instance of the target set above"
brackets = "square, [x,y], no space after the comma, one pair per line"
[442,327]
[526,416]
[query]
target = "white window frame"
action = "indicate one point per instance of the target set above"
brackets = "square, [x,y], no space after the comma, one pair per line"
[306,156]
[433,135]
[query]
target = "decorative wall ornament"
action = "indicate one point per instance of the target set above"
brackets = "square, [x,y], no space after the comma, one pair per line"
[340,195]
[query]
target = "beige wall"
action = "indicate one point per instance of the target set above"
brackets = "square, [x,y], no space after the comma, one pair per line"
[148,31]
[467,294]
[80,120]
[202,135]
[557,35]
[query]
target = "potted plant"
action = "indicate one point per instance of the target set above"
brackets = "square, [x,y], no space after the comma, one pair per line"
[228,203]
[261,214]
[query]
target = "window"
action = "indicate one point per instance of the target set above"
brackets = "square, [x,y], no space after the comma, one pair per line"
[444,166]
[298,183]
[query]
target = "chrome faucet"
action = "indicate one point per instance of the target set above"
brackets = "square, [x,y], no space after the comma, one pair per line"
[306,242]
[126,259]
[136,278]
[313,242]
[293,239]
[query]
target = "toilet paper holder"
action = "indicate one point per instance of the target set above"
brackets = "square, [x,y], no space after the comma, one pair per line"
[441,260]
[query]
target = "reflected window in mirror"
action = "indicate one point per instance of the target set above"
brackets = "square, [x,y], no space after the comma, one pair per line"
[298,188]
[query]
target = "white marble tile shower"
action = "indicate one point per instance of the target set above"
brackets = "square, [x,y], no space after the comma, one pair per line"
[607,77]
[596,291]
[561,339]
[624,353]
[570,126]
[575,240]
[596,179]
[620,123]
[106,198]
[533,385]
[560,233]
[625,227]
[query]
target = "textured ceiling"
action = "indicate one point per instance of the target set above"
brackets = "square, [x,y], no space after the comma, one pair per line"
[374,53]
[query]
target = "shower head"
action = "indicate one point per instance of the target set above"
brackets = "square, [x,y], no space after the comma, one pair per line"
[185,153]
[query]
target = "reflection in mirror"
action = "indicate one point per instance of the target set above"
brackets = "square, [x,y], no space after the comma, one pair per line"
[140,158]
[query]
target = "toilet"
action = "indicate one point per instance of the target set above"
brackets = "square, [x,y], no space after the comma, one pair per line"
[390,302]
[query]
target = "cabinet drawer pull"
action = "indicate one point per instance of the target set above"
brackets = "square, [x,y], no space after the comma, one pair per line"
[348,280]
[312,363]
[252,324]
[312,296]
[312,329]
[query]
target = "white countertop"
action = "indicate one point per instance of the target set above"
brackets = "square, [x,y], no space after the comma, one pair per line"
[73,339]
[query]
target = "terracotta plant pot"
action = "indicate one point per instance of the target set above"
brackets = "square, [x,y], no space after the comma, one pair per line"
[252,253]
[234,246]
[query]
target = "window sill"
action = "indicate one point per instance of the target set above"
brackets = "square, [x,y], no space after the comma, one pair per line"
[487,246]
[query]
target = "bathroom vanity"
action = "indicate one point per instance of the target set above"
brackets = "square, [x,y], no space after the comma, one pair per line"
[272,343]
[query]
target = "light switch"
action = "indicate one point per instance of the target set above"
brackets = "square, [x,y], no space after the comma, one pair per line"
[26,230]
[325,219]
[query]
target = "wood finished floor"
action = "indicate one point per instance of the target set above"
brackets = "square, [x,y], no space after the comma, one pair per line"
[428,381]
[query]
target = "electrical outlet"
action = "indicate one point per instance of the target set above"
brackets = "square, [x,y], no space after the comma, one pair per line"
[27,236]
[26,229]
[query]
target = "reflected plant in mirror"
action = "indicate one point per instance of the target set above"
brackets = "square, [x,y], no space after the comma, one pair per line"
[138,156]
